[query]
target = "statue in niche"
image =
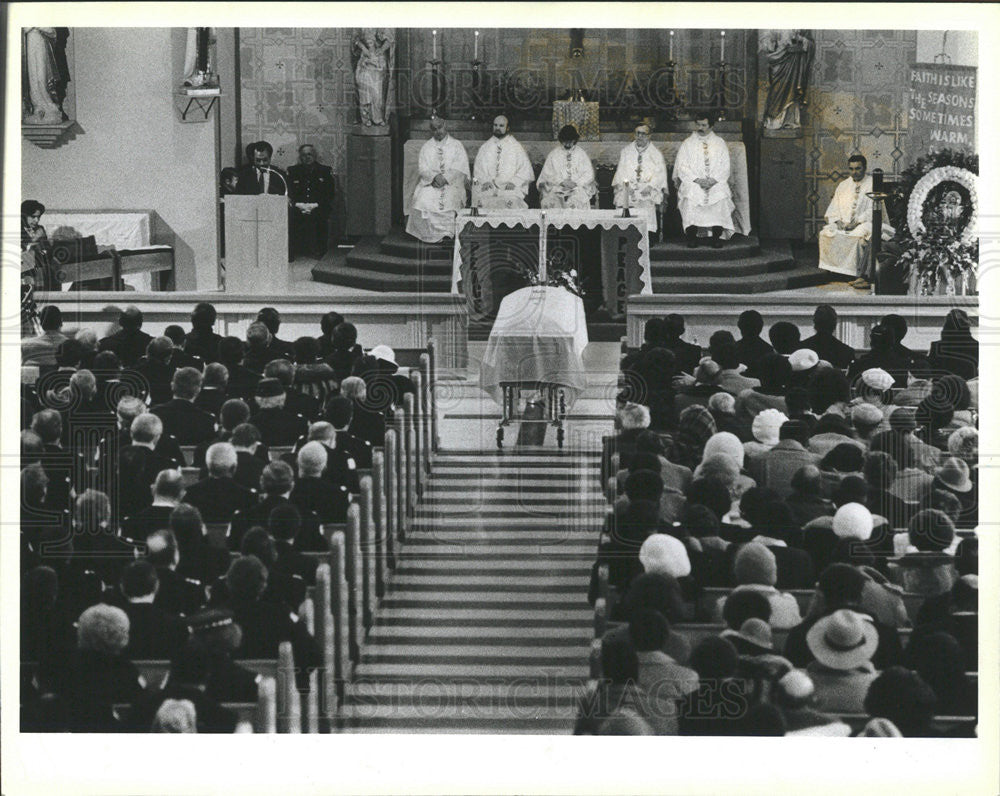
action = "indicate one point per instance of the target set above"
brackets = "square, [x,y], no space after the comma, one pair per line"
[374,49]
[44,75]
[790,55]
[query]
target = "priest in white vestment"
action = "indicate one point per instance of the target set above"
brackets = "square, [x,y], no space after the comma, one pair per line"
[442,188]
[567,179]
[642,169]
[502,171]
[701,173]
[844,241]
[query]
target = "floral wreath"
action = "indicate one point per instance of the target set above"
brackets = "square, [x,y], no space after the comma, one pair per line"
[931,180]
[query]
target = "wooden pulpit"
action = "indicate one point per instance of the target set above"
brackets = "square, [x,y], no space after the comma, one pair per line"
[257,244]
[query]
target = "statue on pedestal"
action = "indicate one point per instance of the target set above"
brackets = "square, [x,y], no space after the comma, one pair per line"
[790,55]
[375,52]
[44,75]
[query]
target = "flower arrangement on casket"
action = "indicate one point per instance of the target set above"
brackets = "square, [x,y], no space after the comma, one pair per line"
[556,275]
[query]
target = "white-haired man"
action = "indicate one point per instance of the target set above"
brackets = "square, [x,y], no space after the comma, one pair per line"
[312,492]
[138,466]
[442,188]
[219,497]
[502,171]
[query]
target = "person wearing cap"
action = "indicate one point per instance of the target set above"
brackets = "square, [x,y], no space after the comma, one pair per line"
[756,569]
[865,420]
[842,645]
[795,695]
[662,680]
[776,467]
[928,567]
[765,428]
[386,386]
[879,473]
[824,343]
[759,664]
[277,425]
[804,363]
[953,476]
[296,401]
[830,432]
[129,342]
[666,555]
[189,424]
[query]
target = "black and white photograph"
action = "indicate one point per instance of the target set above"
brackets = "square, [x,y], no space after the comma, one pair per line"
[457,388]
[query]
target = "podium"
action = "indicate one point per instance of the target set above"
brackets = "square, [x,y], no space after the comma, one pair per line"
[257,244]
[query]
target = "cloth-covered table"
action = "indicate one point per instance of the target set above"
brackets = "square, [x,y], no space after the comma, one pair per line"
[538,339]
[624,253]
[604,153]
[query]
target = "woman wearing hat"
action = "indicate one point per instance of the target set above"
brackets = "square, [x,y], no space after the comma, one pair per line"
[842,644]
[954,477]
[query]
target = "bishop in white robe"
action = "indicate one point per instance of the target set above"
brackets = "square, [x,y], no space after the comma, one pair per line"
[502,171]
[642,169]
[442,188]
[701,173]
[567,179]
[844,241]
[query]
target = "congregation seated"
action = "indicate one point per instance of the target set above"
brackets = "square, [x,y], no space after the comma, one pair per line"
[296,401]
[313,493]
[367,423]
[178,593]
[202,341]
[40,350]
[153,632]
[751,348]
[271,318]
[129,343]
[181,418]
[258,351]
[825,343]
[157,368]
[313,377]
[218,497]
[277,424]
[168,491]
[241,381]
[214,386]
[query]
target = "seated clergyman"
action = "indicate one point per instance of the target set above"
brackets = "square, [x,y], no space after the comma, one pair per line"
[442,188]
[502,171]
[844,241]
[640,180]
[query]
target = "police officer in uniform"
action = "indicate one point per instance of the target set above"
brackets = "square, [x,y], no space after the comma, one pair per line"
[310,183]
[277,424]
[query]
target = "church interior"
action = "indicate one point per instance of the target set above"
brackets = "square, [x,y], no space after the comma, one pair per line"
[288,467]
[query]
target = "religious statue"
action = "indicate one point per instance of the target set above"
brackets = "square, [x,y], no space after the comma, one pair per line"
[790,55]
[374,49]
[44,75]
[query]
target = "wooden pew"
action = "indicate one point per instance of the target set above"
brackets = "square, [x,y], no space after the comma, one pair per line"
[432,393]
[951,726]
[379,521]
[402,476]
[278,451]
[391,495]
[352,569]
[695,632]
[337,647]
[189,476]
[310,701]
[416,423]
[217,535]
[325,635]
[366,545]
[188,452]
[427,408]
[409,450]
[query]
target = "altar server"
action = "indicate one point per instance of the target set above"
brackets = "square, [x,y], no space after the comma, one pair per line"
[701,173]
[442,188]
[502,171]
[641,167]
[844,241]
[567,179]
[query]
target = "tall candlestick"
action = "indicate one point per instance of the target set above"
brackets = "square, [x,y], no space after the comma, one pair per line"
[434,44]
[475,46]
[723,53]
[671,45]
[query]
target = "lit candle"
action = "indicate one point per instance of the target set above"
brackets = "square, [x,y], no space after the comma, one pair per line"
[475,46]
[434,44]
[723,54]
[671,45]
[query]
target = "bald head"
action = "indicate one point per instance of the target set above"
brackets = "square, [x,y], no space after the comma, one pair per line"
[130,318]
[312,460]
[168,487]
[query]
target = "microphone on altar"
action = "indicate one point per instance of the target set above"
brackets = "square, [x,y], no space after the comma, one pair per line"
[275,171]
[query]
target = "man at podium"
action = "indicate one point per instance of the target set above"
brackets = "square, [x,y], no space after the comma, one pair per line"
[258,175]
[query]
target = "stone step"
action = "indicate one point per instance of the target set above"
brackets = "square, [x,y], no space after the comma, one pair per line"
[431,581]
[557,694]
[398,242]
[498,616]
[408,564]
[803,276]
[449,726]
[463,633]
[502,547]
[738,246]
[443,654]
[443,499]
[540,600]
[742,267]
[437,673]
[510,520]
[470,713]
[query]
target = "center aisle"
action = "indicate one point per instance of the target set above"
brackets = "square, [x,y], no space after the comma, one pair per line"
[485,626]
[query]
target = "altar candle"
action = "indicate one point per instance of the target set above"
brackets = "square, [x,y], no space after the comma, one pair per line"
[543,270]
[434,44]
[475,47]
[671,45]
[627,195]
[723,53]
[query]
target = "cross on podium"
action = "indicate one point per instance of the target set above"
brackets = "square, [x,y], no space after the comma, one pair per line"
[256,221]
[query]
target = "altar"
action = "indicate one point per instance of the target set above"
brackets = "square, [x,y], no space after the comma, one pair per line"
[485,263]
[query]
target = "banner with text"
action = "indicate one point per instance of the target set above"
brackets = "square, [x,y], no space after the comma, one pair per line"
[942,113]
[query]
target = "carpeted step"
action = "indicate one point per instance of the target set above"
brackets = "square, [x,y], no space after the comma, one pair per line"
[404,672]
[737,247]
[394,264]
[365,278]
[423,654]
[804,276]
[464,633]
[743,268]
[399,244]
[497,616]
[483,690]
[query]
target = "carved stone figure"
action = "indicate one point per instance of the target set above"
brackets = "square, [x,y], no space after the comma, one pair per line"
[44,75]
[375,53]
[790,55]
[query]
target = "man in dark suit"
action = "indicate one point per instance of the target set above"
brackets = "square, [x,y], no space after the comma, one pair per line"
[153,633]
[258,175]
[258,348]
[202,341]
[284,523]
[340,411]
[687,355]
[213,389]
[310,183]
[826,346]
[327,324]
[138,466]
[179,357]
[157,369]
[129,408]
[277,425]
[249,466]
[341,467]
[276,482]
[180,416]
[219,497]
[129,342]
[282,349]
[312,492]
[242,381]
[177,594]
[168,489]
